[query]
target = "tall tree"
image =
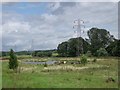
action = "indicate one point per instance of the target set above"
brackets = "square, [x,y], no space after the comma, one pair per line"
[73,47]
[77,46]
[62,49]
[99,38]
[114,48]
[13,63]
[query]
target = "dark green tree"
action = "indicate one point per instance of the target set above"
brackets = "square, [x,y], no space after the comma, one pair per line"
[73,47]
[13,63]
[99,38]
[62,49]
[114,48]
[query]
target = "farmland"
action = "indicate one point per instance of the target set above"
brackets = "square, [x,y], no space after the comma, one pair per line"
[92,75]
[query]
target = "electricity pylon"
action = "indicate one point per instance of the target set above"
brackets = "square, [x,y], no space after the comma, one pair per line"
[79,24]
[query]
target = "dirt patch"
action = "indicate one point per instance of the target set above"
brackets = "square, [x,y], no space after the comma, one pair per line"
[110,79]
[28,69]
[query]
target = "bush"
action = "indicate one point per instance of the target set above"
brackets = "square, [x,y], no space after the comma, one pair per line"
[89,54]
[83,59]
[13,63]
[45,65]
[101,52]
[94,60]
[40,54]
[34,54]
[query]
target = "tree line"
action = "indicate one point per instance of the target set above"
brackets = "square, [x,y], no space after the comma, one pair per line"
[99,43]
[43,53]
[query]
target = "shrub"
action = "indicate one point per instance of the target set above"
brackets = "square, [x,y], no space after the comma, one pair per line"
[89,54]
[101,52]
[45,65]
[34,54]
[110,79]
[83,59]
[13,63]
[94,60]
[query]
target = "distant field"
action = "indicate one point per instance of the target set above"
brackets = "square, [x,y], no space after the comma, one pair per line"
[18,56]
[92,75]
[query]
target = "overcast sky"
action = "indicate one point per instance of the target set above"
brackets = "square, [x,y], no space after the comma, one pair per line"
[46,24]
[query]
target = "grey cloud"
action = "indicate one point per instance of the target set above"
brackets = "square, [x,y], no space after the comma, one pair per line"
[68,4]
[63,5]
[48,30]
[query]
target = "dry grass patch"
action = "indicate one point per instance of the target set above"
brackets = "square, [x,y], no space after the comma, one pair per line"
[70,67]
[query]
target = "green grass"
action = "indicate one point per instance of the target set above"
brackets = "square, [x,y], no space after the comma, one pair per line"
[20,56]
[37,78]
[0,74]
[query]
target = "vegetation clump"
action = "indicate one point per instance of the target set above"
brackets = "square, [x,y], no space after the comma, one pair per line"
[99,43]
[45,65]
[89,54]
[13,63]
[94,60]
[42,54]
[110,79]
[83,59]
[102,52]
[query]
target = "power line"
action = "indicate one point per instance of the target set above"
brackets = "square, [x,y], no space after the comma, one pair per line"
[15,47]
[32,45]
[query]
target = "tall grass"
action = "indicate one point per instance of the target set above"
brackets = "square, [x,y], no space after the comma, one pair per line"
[65,76]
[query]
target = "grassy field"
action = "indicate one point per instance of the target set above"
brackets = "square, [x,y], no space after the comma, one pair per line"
[0,74]
[92,75]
